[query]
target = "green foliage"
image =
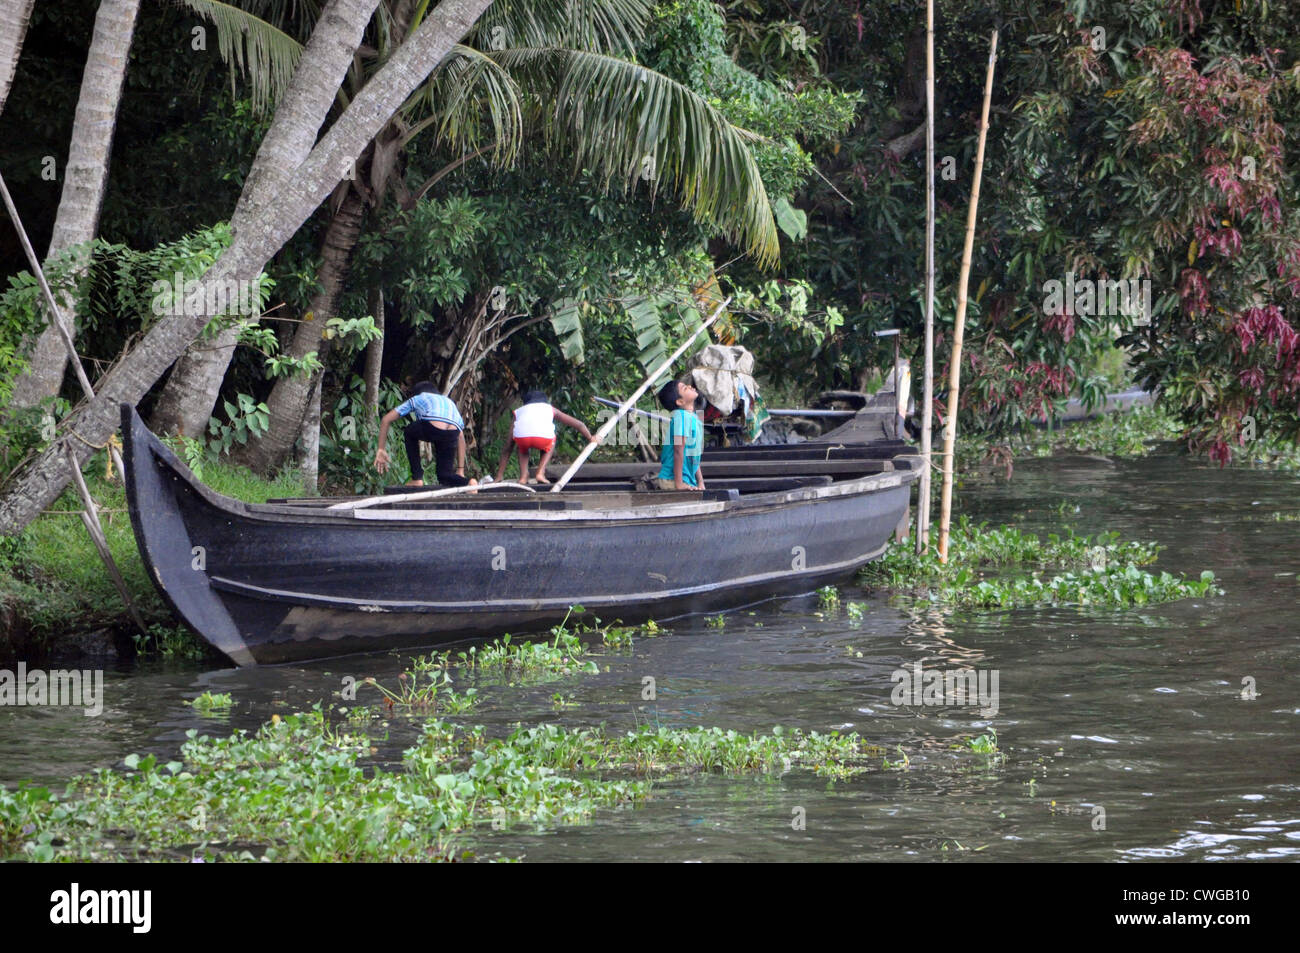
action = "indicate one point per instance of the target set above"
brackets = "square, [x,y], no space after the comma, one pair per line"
[986,745]
[1123,434]
[23,312]
[259,52]
[12,550]
[348,441]
[245,418]
[426,252]
[191,450]
[564,656]
[424,689]
[170,642]
[209,702]
[688,41]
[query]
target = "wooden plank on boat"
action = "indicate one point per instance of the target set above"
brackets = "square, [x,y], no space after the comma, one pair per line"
[779,449]
[740,484]
[459,503]
[743,468]
[807,452]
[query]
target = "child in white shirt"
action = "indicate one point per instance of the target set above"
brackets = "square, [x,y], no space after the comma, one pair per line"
[534,429]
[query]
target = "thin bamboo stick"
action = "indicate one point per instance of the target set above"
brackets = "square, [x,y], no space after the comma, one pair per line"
[954,371]
[927,412]
[90,517]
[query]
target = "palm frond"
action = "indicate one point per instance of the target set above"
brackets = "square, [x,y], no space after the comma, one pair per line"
[601,26]
[470,100]
[632,125]
[265,55]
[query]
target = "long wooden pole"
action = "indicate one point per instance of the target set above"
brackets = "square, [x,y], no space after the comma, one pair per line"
[91,514]
[631,401]
[368,501]
[954,371]
[90,517]
[56,314]
[927,411]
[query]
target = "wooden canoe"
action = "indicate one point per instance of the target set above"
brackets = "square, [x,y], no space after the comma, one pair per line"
[282,582]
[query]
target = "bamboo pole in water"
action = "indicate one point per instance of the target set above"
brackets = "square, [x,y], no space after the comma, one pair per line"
[927,412]
[636,395]
[959,328]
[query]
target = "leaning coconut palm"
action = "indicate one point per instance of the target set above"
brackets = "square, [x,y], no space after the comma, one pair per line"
[38,482]
[265,57]
[259,51]
[595,105]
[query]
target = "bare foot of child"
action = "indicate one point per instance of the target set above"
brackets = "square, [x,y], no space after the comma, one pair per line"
[415,483]
[542,479]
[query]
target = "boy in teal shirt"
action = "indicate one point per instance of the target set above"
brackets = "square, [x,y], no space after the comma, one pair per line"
[684,442]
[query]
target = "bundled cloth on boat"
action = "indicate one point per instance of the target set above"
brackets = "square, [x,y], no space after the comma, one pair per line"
[724,375]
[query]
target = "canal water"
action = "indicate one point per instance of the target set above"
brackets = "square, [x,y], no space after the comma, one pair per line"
[1125,734]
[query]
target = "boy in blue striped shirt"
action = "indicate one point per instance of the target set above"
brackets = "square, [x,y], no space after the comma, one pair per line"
[437,422]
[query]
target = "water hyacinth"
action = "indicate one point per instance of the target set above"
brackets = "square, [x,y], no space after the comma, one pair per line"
[1008,568]
[298,789]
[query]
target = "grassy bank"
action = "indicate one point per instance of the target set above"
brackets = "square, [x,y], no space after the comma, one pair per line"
[53,583]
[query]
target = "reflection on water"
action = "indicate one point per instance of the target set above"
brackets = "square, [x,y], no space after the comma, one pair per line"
[1134,719]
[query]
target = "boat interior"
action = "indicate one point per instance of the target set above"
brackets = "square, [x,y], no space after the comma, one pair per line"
[731,474]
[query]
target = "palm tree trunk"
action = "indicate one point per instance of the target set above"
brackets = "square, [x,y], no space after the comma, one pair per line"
[37,484]
[290,395]
[375,353]
[311,442]
[192,389]
[84,177]
[14,15]
[187,400]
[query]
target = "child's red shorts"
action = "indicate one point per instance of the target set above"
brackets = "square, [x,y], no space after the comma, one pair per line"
[544,444]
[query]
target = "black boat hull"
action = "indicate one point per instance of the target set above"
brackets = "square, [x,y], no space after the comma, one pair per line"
[268,584]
